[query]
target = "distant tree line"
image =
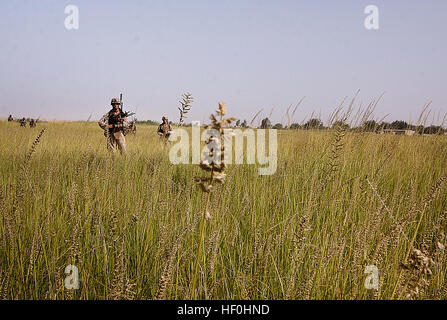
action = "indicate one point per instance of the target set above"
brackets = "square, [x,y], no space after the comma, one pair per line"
[317,124]
[148,122]
[374,126]
[367,126]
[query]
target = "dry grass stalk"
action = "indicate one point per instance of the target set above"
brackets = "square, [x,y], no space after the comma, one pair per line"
[418,269]
[299,239]
[333,162]
[215,168]
[19,201]
[213,246]
[36,245]
[166,276]
[254,118]
[74,222]
[185,103]
[32,150]
[4,284]
[119,272]
[9,222]
[426,201]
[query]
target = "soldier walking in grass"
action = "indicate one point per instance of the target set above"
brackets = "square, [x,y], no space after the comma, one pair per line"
[114,123]
[22,122]
[164,129]
[10,118]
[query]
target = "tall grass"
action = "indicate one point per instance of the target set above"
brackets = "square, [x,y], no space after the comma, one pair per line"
[339,201]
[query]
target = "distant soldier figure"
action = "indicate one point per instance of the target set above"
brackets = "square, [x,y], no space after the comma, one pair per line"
[133,127]
[22,122]
[164,129]
[115,123]
[10,118]
[32,123]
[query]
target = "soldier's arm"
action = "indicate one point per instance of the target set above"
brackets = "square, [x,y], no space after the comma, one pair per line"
[103,121]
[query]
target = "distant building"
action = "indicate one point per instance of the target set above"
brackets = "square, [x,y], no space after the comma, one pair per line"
[398,132]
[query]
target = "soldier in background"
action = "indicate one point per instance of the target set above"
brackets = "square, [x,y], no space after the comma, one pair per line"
[22,122]
[115,123]
[32,123]
[164,129]
[10,118]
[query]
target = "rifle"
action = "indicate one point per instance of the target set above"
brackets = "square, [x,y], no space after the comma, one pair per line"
[127,113]
[121,102]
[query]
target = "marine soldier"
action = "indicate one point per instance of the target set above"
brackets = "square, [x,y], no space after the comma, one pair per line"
[164,129]
[32,123]
[22,122]
[10,118]
[114,123]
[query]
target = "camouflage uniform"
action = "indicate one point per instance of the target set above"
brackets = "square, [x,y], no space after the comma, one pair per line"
[165,128]
[22,122]
[116,135]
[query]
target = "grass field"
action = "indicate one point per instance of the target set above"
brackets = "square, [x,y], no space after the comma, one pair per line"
[338,202]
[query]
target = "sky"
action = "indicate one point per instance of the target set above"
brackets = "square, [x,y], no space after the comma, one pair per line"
[252,55]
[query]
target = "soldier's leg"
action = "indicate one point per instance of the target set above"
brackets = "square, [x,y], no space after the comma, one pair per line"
[111,143]
[121,141]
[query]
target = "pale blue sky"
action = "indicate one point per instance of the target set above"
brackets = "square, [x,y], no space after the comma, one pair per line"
[250,54]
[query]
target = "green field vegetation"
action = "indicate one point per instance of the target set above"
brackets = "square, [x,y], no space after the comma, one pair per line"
[338,202]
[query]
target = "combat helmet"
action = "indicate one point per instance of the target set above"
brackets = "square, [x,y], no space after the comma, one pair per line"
[115,101]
